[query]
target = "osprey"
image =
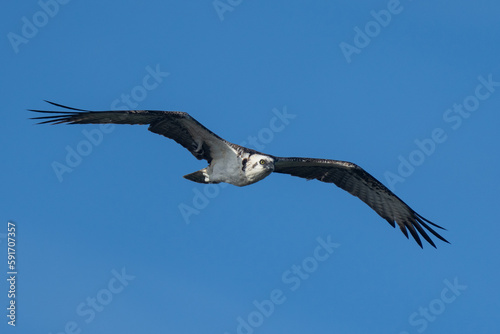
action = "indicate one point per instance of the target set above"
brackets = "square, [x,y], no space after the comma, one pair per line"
[241,166]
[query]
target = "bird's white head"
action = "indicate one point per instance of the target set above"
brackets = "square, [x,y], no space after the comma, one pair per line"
[257,167]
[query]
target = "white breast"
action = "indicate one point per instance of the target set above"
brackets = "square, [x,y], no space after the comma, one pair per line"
[228,169]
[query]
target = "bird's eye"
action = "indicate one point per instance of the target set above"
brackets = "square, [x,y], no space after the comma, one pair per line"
[262,161]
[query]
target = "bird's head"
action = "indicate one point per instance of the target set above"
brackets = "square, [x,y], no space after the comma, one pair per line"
[258,166]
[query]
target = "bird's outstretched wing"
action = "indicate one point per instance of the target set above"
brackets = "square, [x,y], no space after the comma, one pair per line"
[359,183]
[176,125]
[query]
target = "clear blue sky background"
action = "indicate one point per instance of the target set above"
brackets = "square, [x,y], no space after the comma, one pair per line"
[377,103]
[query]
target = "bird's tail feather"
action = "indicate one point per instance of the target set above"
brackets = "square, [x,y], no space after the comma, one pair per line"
[199,176]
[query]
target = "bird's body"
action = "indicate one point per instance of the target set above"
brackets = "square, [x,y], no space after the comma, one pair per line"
[241,166]
[237,167]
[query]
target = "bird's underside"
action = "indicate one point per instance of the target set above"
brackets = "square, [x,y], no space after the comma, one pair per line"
[242,166]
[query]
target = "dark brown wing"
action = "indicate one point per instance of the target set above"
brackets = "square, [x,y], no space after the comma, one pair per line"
[359,183]
[179,126]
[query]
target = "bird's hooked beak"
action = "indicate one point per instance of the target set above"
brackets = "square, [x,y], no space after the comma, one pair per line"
[270,166]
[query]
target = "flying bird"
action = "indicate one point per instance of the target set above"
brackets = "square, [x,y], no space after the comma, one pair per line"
[241,166]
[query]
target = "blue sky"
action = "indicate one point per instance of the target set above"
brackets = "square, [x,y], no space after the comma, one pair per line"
[111,238]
